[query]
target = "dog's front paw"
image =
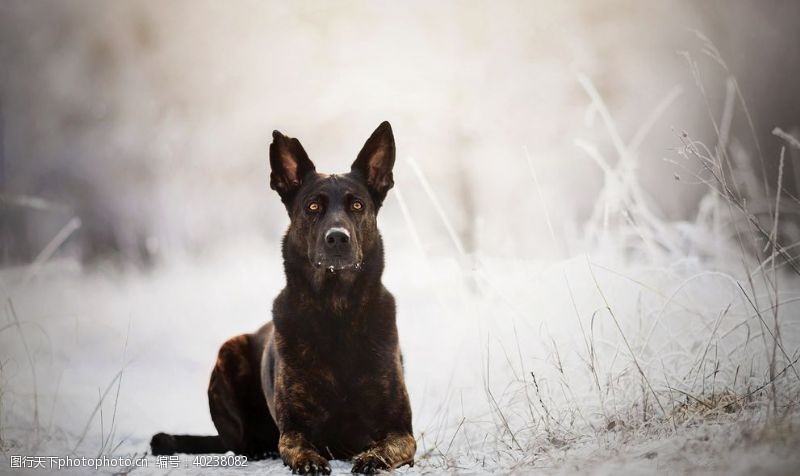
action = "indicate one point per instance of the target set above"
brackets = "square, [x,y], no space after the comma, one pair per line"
[369,462]
[310,463]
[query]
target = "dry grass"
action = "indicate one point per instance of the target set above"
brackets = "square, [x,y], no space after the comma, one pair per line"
[738,369]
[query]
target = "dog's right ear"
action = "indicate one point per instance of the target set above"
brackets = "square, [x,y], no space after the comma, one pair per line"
[289,163]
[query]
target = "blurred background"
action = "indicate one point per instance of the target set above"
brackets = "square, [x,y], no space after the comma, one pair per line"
[150,121]
[556,161]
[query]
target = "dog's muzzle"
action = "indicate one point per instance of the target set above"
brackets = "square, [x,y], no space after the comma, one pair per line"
[337,251]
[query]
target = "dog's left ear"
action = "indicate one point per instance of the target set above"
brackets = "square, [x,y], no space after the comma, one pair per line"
[375,161]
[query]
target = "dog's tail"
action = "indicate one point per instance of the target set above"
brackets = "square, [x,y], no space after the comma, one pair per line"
[164,444]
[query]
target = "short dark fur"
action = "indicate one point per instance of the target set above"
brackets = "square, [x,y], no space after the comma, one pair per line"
[324,379]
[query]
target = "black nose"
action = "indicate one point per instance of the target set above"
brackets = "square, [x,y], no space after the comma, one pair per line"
[337,238]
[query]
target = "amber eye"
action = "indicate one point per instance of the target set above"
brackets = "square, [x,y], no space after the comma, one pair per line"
[357,205]
[313,207]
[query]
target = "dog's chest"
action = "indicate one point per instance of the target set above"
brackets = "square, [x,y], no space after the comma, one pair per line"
[351,375]
[350,396]
[353,412]
[343,380]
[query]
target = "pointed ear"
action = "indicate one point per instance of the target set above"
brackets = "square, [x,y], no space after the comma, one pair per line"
[375,161]
[289,163]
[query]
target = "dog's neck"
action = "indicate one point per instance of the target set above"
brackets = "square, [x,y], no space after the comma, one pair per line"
[334,292]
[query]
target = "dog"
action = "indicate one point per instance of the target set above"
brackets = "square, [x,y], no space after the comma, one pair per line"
[324,379]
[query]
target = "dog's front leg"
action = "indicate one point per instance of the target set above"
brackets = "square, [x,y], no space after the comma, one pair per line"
[298,454]
[391,452]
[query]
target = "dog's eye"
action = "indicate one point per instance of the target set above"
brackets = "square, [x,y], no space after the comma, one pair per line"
[357,205]
[313,207]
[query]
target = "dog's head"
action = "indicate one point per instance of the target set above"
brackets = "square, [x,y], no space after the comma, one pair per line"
[333,217]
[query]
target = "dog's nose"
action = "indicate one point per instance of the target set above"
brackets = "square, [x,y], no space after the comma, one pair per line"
[337,238]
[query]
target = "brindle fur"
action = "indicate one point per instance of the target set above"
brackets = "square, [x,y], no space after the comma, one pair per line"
[324,379]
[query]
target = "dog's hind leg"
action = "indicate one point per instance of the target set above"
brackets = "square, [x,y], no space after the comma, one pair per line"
[236,400]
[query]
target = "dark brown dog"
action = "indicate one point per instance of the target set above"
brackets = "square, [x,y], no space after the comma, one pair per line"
[324,379]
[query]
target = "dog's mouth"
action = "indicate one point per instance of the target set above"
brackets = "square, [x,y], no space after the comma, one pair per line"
[335,264]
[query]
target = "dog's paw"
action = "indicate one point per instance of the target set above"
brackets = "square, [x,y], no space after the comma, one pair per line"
[369,462]
[163,444]
[311,464]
